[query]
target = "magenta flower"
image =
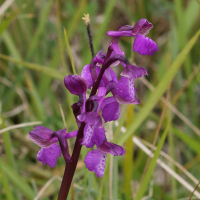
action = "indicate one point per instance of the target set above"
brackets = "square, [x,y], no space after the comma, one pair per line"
[75,84]
[50,151]
[95,160]
[101,79]
[142,44]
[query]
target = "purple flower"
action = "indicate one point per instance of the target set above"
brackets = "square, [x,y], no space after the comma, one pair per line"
[75,84]
[49,155]
[95,160]
[143,45]
[87,76]
[42,136]
[124,91]
[50,151]
[141,27]
[110,109]
[94,132]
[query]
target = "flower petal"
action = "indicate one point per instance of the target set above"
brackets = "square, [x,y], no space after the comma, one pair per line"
[43,136]
[75,84]
[87,76]
[144,45]
[49,155]
[124,91]
[93,135]
[111,148]
[95,162]
[110,109]
[134,72]
[142,27]
[110,75]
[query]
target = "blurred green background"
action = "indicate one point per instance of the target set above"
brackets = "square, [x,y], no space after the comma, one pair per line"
[34,59]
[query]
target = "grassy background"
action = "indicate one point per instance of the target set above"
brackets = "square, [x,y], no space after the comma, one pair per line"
[34,59]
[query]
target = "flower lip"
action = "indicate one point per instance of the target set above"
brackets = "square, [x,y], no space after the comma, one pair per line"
[49,155]
[75,84]
[144,45]
[95,161]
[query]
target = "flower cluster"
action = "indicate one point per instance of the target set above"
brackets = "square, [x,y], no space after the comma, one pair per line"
[99,76]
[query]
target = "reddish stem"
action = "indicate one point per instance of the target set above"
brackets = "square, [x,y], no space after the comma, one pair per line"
[71,167]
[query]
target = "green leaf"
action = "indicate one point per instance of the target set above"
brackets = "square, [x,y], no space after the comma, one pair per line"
[160,89]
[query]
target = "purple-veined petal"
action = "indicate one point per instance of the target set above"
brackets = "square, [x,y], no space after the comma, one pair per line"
[110,109]
[134,72]
[49,155]
[43,136]
[124,91]
[144,45]
[142,27]
[75,84]
[95,162]
[87,76]
[111,148]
